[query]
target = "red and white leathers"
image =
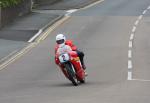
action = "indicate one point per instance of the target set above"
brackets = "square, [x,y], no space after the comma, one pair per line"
[68,46]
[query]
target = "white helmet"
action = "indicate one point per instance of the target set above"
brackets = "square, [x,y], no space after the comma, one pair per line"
[60,39]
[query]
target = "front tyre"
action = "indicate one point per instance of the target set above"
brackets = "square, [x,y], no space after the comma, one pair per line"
[71,74]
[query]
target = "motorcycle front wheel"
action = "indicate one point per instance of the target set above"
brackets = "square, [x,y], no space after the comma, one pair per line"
[71,73]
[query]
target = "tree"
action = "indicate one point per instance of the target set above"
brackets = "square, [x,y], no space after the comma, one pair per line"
[9,3]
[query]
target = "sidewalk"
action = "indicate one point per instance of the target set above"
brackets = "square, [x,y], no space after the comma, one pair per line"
[26,27]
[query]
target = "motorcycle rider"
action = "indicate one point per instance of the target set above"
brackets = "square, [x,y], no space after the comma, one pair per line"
[64,45]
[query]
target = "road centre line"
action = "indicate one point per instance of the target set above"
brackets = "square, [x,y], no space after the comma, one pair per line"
[130,44]
[141,80]
[144,11]
[130,75]
[129,53]
[140,17]
[131,37]
[133,29]
[129,64]
[136,23]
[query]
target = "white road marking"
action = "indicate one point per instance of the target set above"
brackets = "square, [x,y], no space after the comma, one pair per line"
[134,28]
[140,17]
[144,12]
[142,80]
[137,22]
[129,75]
[35,36]
[131,36]
[129,54]
[130,44]
[130,64]
[70,11]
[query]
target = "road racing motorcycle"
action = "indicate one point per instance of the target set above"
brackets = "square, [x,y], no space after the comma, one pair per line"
[72,67]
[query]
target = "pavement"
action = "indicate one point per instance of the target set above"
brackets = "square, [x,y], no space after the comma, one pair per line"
[15,35]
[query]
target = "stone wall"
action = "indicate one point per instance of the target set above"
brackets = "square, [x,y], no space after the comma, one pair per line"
[9,14]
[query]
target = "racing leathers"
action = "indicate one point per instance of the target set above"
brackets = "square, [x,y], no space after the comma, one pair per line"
[69,46]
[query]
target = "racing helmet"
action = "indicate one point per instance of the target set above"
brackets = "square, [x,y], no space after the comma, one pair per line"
[60,39]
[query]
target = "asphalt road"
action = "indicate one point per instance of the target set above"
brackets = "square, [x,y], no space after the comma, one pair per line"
[104,32]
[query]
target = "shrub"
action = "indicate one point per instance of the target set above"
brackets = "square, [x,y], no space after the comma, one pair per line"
[9,3]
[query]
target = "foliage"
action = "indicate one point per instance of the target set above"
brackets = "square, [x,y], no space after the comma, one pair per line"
[9,3]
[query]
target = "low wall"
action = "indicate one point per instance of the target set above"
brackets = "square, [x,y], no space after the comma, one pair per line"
[9,14]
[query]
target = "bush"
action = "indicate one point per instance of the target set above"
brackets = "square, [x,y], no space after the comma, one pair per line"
[9,3]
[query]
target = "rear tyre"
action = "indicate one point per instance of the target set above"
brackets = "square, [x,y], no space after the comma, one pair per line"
[82,81]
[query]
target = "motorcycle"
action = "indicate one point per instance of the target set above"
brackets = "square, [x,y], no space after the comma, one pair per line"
[72,67]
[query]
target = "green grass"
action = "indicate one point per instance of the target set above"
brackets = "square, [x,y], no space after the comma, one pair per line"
[9,3]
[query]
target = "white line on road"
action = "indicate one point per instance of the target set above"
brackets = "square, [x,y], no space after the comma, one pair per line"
[130,44]
[129,54]
[137,22]
[131,36]
[130,64]
[35,36]
[134,29]
[142,80]
[144,12]
[140,17]
[70,11]
[129,75]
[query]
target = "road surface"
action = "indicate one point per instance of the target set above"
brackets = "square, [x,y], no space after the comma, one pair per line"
[113,34]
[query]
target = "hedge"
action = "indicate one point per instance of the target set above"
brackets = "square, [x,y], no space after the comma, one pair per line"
[9,3]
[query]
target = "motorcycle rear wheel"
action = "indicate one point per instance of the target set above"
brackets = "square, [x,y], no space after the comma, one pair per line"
[82,81]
